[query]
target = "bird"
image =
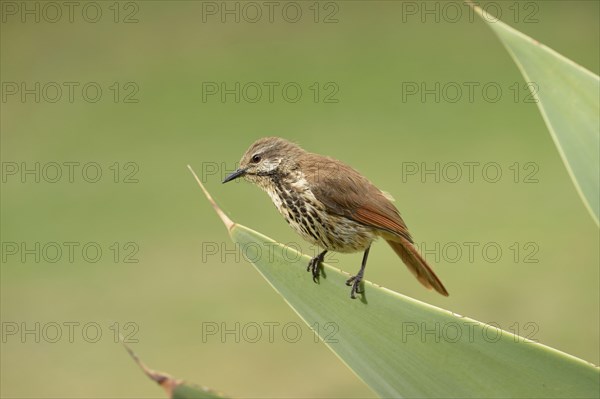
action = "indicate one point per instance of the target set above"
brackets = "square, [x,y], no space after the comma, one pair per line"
[332,206]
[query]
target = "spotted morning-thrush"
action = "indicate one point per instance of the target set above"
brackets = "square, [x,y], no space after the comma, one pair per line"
[330,205]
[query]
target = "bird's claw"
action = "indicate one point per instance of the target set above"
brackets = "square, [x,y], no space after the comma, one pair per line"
[354,281]
[313,266]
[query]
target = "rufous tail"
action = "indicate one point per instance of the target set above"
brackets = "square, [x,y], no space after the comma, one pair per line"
[417,265]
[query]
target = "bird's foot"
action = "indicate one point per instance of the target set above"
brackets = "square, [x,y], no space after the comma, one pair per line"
[355,281]
[314,266]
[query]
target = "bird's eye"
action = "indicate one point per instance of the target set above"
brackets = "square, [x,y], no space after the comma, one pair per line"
[256,159]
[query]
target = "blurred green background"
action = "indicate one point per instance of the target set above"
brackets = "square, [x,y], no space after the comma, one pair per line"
[176,288]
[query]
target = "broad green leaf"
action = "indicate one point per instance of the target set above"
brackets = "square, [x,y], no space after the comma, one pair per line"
[568,97]
[190,391]
[175,389]
[401,347]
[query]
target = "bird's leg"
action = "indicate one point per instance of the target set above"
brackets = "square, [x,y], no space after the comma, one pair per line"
[313,265]
[354,281]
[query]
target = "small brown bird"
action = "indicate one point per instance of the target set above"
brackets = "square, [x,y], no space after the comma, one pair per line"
[330,205]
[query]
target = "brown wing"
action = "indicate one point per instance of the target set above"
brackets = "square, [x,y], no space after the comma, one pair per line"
[347,193]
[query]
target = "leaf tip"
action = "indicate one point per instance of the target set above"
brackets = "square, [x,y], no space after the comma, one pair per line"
[224,218]
[164,380]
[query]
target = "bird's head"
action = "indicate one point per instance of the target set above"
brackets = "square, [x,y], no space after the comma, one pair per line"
[265,158]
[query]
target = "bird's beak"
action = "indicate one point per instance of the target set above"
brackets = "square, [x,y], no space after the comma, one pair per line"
[238,173]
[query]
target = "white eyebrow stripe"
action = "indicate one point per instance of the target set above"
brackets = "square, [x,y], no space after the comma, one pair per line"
[267,148]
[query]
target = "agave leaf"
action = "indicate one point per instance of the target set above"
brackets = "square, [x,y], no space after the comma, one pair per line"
[175,388]
[568,97]
[401,347]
